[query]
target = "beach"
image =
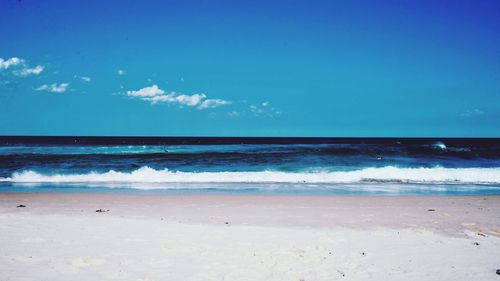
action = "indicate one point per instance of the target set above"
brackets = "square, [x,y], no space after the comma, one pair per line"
[60,236]
[249,140]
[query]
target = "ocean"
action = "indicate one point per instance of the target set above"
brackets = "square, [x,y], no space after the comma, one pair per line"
[346,166]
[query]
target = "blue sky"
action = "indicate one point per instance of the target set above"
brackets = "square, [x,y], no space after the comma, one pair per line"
[250,68]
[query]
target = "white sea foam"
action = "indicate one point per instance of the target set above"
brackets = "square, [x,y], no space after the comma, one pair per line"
[437,175]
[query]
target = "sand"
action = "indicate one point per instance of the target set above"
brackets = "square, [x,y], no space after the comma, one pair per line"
[60,236]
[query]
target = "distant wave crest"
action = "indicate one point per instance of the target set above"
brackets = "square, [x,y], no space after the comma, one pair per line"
[390,174]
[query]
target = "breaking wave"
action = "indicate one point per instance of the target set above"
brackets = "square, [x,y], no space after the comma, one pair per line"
[389,174]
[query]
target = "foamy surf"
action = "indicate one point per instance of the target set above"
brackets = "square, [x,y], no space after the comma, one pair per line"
[389,174]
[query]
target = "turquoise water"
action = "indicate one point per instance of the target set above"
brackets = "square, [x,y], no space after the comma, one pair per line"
[250,165]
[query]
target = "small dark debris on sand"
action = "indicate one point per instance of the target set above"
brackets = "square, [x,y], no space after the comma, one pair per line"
[476,243]
[227,222]
[431,210]
[498,271]
[481,234]
[21,206]
[102,210]
[341,273]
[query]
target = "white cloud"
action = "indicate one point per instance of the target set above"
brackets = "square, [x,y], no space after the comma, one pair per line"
[21,68]
[5,64]
[146,92]
[54,88]
[29,71]
[161,98]
[212,103]
[192,100]
[154,95]
[173,98]
[121,72]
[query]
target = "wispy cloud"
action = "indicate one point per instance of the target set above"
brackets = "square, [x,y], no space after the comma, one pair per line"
[153,94]
[83,78]
[27,71]
[53,88]
[264,109]
[234,113]
[121,72]
[5,64]
[255,109]
[21,68]
[212,103]
[473,112]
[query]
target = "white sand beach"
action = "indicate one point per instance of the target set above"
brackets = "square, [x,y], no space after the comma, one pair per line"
[60,236]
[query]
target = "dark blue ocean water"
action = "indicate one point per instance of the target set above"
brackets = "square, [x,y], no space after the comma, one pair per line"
[256,165]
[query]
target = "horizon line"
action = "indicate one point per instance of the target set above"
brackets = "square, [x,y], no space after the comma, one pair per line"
[247,137]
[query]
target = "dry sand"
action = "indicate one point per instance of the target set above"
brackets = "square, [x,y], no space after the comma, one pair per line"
[59,236]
